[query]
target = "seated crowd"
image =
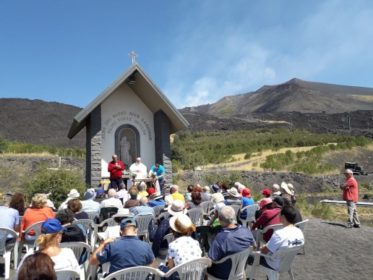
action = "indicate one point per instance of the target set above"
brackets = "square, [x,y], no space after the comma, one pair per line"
[172,235]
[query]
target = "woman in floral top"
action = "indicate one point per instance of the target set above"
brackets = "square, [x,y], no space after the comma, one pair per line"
[184,248]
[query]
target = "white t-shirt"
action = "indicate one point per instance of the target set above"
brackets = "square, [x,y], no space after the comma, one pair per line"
[286,237]
[184,249]
[123,194]
[111,202]
[65,260]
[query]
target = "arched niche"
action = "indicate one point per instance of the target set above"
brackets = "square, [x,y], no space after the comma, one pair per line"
[127,144]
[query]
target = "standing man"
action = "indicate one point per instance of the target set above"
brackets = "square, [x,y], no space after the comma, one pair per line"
[351,196]
[158,171]
[115,169]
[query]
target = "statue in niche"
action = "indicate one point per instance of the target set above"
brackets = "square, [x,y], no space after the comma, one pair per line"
[125,147]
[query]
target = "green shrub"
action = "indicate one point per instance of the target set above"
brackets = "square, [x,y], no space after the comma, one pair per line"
[56,182]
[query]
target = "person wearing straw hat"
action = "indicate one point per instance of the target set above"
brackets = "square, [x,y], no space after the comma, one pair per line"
[128,251]
[276,190]
[351,196]
[71,195]
[184,248]
[233,197]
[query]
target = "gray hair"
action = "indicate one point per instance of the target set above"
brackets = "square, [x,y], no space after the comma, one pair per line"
[227,216]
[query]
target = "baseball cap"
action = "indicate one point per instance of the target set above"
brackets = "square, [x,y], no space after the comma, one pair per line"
[51,226]
[128,222]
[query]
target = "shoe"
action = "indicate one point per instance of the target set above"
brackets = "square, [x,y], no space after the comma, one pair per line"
[348,226]
[356,226]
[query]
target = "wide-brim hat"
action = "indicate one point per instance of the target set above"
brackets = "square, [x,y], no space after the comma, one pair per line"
[122,212]
[73,193]
[233,192]
[180,223]
[285,189]
[217,197]
[177,207]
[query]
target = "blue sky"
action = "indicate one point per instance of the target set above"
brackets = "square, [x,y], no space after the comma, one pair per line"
[196,51]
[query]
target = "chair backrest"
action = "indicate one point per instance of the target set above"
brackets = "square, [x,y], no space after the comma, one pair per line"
[92,215]
[196,215]
[143,222]
[206,206]
[249,210]
[287,256]
[192,270]
[169,237]
[81,250]
[302,225]
[6,234]
[87,224]
[236,208]
[163,216]
[107,212]
[158,209]
[273,227]
[135,273]
[67,275]
[238,261]
[34,229]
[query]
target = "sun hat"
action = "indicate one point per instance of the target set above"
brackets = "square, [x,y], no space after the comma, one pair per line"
[51,226]
[131,221]
[122,212]
[233,192]
[266,192]
[290,186]
[89,194]
[285,189]
[73,194]
[177,207]
[217,197]
[276,187]
[206,189]
[265,201]
[246,192]
[181,223]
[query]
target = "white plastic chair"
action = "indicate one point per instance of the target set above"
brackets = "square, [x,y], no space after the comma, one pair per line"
[286,255]
[67,275]
[158,209]
[196,215]
[29,240]
[88,226]
[250,214]
[6,251]
[79,248]
[135,273]
[236,208]
[260,233]
[92,215]
[302,226]
[98,227]
[143,222]
[206,206]
[238,261]
[192,270]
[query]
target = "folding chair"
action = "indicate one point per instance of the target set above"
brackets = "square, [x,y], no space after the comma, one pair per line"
[6,249]
[206,206]
[158,209]
[88,226]
[99,228]
[107,213]
[238,262]
[286,255]
[192,270]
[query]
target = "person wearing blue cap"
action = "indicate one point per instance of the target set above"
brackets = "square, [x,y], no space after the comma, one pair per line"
[49,243]
[128,251]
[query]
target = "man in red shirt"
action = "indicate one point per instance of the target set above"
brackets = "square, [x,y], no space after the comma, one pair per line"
[351,196]
[115,169]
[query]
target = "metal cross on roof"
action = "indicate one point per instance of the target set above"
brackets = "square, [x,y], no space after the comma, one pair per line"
[133,56]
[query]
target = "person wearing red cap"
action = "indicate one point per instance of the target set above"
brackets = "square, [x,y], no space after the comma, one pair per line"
[266,192]
[246,201]
[270,215]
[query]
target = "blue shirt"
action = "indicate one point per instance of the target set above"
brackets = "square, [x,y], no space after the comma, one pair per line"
[158,171]
[228,242]
[142,210]
[9,217]
[126,252]
[157,236]
[158,202]
[246,202]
